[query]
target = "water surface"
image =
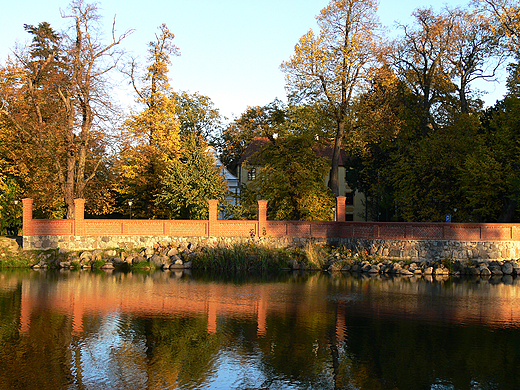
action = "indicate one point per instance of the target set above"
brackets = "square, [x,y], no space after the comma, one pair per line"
[110,330]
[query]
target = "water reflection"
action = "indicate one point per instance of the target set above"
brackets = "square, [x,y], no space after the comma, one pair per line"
[108,330]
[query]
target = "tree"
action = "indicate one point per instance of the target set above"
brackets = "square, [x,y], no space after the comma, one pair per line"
[152,140]
[254,122]
[490,176]
[380,117]
[420,59]
[505,16]
[190,180]
[10,211]
[198,115]
[425,173]
[473,44]
[331,66]
[291,179]
[58,98]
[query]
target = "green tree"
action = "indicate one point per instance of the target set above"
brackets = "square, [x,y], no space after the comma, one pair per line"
[191,180]
[197,114]
[331,67]
[491,175]
[254,122]
[292,180]
[10,205]
[425,173]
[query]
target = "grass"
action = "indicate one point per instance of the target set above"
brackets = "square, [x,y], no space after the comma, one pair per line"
[241,257]
[15,260]
[315,256]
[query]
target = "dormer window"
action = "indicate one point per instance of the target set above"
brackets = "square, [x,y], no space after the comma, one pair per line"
[251,174]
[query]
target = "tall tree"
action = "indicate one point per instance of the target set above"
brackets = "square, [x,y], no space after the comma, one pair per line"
[198,115]
[151,136]
[490,176]
[420,59]
[63,77]
[475,53]
[332,65]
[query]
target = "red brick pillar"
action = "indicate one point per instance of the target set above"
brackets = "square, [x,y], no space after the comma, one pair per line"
[79,217]
[213,222]
[262,218]
[28,227]
[340,208]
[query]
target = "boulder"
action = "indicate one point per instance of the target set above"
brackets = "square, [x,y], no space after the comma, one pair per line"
[346,267]
[178,264]
[496,270]
[507,268]
[473,271]
[293,264]
[159,260]
[484,271]
[174,258]
[9,243]
[172,252]
[85,256]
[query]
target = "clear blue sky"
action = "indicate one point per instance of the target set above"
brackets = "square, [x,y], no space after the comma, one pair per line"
[231,49]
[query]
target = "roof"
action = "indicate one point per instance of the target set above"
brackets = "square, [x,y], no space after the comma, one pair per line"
[252,157]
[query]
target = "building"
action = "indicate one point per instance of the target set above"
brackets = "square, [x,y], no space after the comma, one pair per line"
[232,181]
[250,163]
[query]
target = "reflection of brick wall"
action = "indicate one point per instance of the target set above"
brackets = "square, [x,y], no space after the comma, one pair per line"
[263,228]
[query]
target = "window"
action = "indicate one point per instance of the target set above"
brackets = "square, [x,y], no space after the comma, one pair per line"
[349,217]
[350,199]
[251,174]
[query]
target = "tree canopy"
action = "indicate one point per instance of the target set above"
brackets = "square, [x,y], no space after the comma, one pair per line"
[409,112]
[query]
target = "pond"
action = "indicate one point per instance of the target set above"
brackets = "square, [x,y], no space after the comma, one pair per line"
[173,330]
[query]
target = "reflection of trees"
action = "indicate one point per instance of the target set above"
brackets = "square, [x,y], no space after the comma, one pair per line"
[10,311]
[295,348]
[41,359]
[179,350]
[401,352]
[305,332]
[410,355]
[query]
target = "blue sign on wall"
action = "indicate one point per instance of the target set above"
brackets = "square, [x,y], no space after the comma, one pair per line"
[447,218]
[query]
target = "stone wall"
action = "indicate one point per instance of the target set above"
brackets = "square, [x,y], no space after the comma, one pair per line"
[415,250]
[435,249]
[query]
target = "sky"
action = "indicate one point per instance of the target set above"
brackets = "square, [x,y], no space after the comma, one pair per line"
[231,50]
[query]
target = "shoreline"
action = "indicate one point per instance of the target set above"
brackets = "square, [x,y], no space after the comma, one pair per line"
[248,256]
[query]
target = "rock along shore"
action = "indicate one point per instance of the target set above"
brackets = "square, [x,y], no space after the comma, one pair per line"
[184,254]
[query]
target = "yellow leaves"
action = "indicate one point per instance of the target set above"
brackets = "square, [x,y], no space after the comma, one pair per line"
[332,62]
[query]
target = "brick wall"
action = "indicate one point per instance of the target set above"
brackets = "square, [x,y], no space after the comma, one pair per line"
[213,227]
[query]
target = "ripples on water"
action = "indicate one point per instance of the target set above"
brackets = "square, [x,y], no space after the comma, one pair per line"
[297,331]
